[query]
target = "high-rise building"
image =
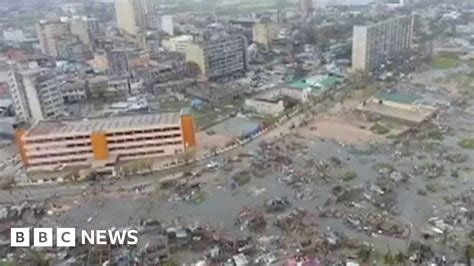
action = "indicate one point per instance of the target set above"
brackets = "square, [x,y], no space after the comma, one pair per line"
[35,93]
[48,33]
[306,7]
[264,33]
[222,57]
[166,24]
[375,44]
[84,28]
[134,16]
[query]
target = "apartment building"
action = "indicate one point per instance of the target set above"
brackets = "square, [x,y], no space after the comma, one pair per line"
[264,33]
[50,145]
[376,44]
[35,93]
[48,33]
[220,58]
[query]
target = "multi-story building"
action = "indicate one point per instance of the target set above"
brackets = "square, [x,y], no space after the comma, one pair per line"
[48,33]
[35,93]
[118,61]
[134,16]
[50,145]
[219,58]
[264,33]
[166,24]
[73,90]
[80,28]
[306,7]
[71,48]
[375,44]
[178,43]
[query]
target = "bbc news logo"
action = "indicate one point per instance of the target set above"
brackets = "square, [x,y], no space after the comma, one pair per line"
[66,237]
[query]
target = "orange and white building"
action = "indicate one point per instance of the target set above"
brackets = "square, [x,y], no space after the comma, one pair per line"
[51,145]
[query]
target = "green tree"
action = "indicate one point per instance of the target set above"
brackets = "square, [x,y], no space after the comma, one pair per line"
[388,258]
[468,253]
[364,254]
[359,79]
[400,258]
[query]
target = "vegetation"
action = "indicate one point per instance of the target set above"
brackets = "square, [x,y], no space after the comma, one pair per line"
[466,144]
[421,192]
[269,120]
[441,62]
[436,135]
[349,176]
[431,188]
[359,79]
[365,254]
[379,129]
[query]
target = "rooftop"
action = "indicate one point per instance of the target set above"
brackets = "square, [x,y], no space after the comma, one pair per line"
[118,123]
[395,96]
[315,82]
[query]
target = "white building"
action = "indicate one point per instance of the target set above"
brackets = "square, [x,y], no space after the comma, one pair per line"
[13,35]
[35,93]
[166,24]
[178,43]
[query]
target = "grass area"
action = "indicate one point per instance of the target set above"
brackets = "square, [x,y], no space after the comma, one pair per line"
[441,62]
[174,105]
[349,176]
[432,188]
[379,129]
[269,120]
[466,144]
[436,135]
[421,192]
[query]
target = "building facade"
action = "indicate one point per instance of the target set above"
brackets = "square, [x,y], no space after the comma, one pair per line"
[264,33]
[178,43]
[224,57]
[48,33]
[134,16]
[71,48]
[306,7]
[50,145]
[118,61]
[375,44]
[36,94]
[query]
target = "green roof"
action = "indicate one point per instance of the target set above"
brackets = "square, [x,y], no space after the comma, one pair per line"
[299,84]
[326,82]
[395,96]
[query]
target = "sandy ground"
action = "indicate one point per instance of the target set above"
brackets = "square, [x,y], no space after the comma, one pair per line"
[338,129]
[207,142]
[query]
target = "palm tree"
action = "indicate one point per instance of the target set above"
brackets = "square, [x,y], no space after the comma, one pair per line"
[388,258]
[364,254]
[400,258]
[359,79]
[468,253]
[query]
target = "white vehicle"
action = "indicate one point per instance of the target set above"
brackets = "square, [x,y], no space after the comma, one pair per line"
[213,165]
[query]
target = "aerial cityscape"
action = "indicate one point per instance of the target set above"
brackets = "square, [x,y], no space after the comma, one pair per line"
[237,132]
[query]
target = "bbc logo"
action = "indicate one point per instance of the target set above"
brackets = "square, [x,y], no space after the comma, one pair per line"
[42,237]
[66,237]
